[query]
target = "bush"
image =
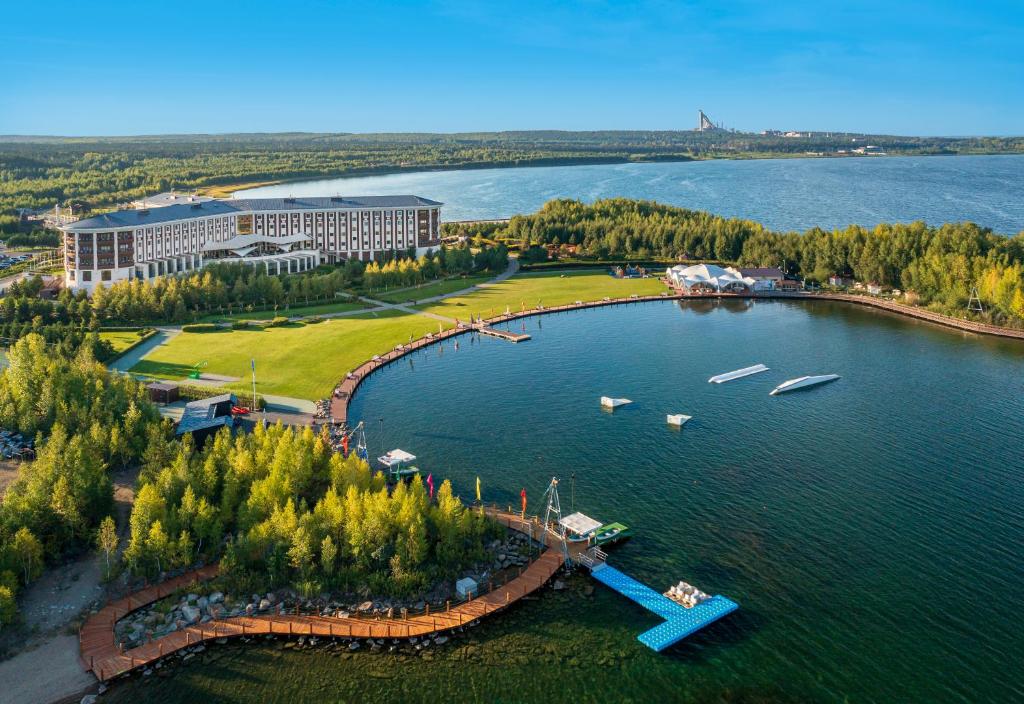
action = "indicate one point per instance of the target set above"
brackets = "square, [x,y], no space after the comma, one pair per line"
[240,325]
[314,320]
[278,321]
[199,327]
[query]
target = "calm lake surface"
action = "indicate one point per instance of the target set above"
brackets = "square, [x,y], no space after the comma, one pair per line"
[871,529]
[784,194]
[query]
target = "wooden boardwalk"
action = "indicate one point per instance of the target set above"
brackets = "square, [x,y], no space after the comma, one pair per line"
[101,655]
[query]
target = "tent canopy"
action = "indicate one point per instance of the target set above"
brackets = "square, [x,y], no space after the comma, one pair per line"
[580,524]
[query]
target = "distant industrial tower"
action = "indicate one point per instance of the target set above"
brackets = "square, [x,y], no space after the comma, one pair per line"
[704,123]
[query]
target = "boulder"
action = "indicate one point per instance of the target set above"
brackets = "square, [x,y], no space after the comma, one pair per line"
[264,604]
[216,597]
[190,613]
[88,699]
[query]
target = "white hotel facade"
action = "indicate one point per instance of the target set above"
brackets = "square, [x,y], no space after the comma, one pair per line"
[281,235]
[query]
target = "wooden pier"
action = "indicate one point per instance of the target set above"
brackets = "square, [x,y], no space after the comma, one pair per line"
[102,655]
[507,335]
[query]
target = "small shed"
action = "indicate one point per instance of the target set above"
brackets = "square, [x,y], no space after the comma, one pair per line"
[162,392]
[466,587]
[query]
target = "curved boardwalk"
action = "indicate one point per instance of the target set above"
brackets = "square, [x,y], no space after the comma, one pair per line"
[346,389]
[101,654]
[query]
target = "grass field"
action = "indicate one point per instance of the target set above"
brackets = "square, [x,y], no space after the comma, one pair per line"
[297,360]
[438,288]
[120,340]
[306,361]
[319,309]
[550,288]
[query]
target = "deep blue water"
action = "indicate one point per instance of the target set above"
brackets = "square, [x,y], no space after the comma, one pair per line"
[784,194]
[871,529]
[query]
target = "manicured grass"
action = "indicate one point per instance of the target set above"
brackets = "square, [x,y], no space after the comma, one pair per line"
[548,287]
[438,288]
[297,360]
[121,339]
[319,309]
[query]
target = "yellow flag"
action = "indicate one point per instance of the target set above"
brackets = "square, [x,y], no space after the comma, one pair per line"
[478,488]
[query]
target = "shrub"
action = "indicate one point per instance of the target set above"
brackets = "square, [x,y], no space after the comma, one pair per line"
[199,327]
[240,325]
[8,607]
[314,320]
[277,321]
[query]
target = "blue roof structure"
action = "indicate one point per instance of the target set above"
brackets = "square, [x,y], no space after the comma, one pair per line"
[679,620]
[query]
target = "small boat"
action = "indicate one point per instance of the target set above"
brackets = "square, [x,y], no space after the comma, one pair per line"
[802,382]
[608,402]
[738,374]
[677,419]
[611,533]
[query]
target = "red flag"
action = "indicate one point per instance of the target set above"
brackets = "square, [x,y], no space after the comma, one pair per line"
[430,484]
[344,445]
[522,495]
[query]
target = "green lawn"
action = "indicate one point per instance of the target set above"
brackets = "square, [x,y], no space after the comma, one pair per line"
[548,287]
[438,288]
[319,309]
[297,360]
[120,340]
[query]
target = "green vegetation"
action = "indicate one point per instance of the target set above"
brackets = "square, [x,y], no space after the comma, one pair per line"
[33,239]
[299,514]
[438,288]
[291,311]
[939,265]
[297,360]
[90,420]
[449,260]
[121,341]
[550,288]
[36,172]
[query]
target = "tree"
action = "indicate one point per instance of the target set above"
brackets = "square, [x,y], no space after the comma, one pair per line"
[29,553]
[107,540]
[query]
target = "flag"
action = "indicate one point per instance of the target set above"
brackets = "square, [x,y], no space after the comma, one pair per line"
[478,489]
[253,361]
[430,484]
[522,495]
[344,445]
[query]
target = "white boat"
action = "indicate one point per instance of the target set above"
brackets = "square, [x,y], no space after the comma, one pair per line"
[677,419]
[609,402]
[803,382]
[738,374]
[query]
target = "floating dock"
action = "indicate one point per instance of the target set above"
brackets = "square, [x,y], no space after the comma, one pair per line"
[738,374]
[609,402]
[803,382]
[677,419]
[504,334]
[679,620]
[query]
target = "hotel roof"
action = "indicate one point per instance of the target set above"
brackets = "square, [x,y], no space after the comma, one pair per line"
[186,211]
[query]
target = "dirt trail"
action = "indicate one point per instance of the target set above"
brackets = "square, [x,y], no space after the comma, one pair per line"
[50,608]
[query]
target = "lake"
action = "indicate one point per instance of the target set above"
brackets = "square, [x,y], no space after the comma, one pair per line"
[870,529]
[784,194]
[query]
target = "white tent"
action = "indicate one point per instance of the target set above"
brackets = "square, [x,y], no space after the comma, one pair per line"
[709,277]
[580,524]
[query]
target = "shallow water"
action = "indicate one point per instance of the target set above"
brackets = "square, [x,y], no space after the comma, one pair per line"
[784,194]
[870,529]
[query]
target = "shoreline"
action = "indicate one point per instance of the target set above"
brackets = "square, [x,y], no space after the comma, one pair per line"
[347,387]
[228,190]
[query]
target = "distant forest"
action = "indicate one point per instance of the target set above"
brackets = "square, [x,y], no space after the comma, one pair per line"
[98,172]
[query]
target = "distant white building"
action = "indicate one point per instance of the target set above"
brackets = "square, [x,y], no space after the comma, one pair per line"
[169,198]
[709,277]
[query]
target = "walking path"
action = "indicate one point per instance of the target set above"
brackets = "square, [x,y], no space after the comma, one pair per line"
[102,656]
[133,356]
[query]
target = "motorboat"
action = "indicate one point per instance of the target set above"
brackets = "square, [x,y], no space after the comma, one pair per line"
[738,374]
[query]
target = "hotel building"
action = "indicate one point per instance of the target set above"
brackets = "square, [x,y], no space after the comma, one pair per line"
[281,235]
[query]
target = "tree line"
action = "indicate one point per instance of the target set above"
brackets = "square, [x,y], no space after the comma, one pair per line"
[281,508]
[448,261]
[85,421]
[940,265]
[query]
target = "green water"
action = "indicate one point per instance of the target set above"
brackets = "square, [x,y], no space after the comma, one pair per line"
[870,529]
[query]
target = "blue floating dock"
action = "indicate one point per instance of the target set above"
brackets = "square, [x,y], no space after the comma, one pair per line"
[679,620]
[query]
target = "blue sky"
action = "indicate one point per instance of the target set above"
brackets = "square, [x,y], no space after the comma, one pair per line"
[90,68]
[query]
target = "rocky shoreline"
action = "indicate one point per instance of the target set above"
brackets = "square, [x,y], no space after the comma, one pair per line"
[199,606]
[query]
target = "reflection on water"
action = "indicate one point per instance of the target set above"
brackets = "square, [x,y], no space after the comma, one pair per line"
[868,528]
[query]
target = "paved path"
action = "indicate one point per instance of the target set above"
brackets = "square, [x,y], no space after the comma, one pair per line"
[133,356]
[101,654]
